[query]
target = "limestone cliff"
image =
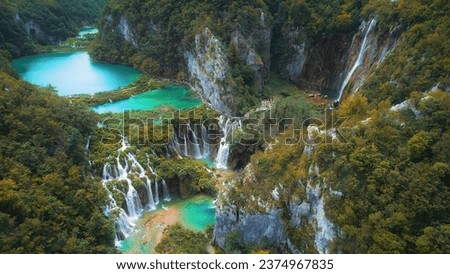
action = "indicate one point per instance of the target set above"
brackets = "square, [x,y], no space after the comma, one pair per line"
[208,67]
[270,220]
[329,65]
[200,55]
[323,65]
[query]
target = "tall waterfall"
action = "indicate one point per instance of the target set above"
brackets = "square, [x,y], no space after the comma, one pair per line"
[192,143]
[364,45]
[151,201]
[176,143]
[224,148]
[200,148]
[186,151]
[206,146]
[165,191]
[120,174]
[228,126]
[88,143]
[166,195]
[156,193]
[197,152]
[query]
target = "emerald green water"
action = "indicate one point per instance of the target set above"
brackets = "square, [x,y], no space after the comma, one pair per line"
[87,30]
[209,162]
[135,243]
[178,97]
[73,73]
[196,213]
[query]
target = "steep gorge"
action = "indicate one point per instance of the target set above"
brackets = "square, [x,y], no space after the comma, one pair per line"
[229,66]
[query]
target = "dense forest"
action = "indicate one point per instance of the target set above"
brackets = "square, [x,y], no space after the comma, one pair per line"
[24,24]
[391,174]
[48,203]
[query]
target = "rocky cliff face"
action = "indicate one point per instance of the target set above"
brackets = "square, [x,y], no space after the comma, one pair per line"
[254,50]
[252,228]
[202,57]
[126,31]
[257,220]
[334,65]
[208,68]
[324,65]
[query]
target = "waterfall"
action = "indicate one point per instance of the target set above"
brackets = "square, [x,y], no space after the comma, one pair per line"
[176,141]
[192,142]
[186,153]
[165,191]
[88,142]
[206,147]
[131,197]
[197,152]
[224,148]
[123,223]
[156,193]
[222,155]
[133,202]
[166,195]
[151,201]
[120,173]
[151,204]
[360,57]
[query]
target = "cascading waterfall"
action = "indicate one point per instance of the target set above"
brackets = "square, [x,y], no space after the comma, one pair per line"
[123,223]
[151,204]
[151,201]
[165,191]
[360,57]
[176,143]
[120,172]
[206,146]
[228,126]
[186,152]
[134,205]
[222,155]
[197,152]
[166,195]
[224,148]
[198,147]
[88,143]
[156,193]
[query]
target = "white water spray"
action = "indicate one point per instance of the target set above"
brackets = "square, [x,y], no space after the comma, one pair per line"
[360,57]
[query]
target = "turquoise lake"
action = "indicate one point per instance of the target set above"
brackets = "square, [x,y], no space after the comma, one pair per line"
[74,73]
[195,213]
[178,97]
[87,30]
